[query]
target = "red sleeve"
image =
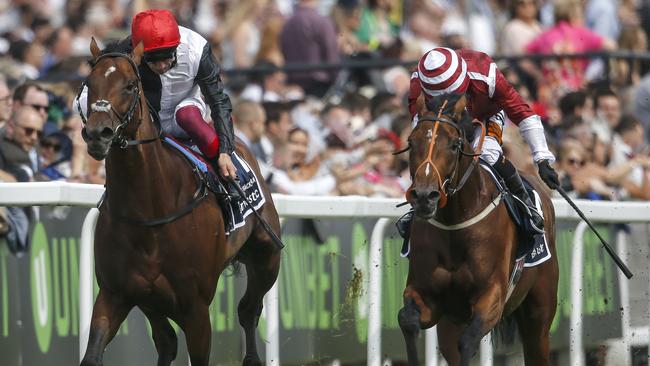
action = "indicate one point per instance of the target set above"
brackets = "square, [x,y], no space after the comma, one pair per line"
[414,93]
[510,101]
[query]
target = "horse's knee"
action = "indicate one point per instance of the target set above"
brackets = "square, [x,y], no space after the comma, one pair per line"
[409,318]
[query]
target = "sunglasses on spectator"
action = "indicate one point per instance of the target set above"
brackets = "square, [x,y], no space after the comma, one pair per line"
[29,131]
[39,107]
[50,144]
[576,162]
[5,99]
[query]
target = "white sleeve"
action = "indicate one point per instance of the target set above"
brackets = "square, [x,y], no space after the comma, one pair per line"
[532,131]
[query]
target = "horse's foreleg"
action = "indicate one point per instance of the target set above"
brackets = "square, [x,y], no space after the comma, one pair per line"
[196,325]
[448,336]
[487,312]
[164,337]
[261,272]
[534,318]
[409,321]
[109,312]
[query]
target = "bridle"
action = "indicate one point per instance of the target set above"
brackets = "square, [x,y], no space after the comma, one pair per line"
[458,146]
[104,106]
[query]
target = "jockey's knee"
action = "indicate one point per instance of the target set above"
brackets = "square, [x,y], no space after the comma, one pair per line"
[491,150]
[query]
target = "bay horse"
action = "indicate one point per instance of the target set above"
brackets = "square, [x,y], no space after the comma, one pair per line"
[459,269]
[168,270]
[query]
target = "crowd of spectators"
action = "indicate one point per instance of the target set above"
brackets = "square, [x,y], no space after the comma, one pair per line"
[331,132]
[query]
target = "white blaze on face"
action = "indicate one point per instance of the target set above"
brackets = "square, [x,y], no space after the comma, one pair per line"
[109,71]
[428,169]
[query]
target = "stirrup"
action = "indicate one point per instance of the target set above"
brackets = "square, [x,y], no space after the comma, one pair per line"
[536,218]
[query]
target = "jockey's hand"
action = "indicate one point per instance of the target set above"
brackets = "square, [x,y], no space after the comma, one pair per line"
[548,174]
[226,167]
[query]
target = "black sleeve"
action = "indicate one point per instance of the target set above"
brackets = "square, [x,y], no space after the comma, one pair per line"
[212,88]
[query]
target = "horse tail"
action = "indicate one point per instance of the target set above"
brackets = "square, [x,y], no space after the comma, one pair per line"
[505,333]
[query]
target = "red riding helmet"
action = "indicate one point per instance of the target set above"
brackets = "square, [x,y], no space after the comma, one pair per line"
[156,29]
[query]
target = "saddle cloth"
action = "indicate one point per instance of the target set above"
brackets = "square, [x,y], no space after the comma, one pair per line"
[236,212]
[531,245]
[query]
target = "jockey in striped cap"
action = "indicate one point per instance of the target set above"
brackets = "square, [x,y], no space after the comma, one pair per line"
[490,98]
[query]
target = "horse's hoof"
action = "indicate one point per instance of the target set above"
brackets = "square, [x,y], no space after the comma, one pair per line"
[252,360]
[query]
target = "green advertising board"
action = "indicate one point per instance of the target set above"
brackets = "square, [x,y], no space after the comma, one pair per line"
[322,297]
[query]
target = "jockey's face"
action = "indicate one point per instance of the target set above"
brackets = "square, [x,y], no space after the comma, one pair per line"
[162,66]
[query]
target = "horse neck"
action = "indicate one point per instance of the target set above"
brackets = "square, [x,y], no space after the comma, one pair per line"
[472,197]
[136,173]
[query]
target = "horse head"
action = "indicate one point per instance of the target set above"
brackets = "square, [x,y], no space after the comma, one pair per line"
[436,146]
[114,94]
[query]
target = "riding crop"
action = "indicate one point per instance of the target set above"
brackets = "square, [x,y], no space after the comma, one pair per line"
[626,271]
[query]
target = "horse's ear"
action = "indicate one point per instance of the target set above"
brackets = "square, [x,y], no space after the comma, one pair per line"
[421,105]
[459,107]
[94,48]
[138,51]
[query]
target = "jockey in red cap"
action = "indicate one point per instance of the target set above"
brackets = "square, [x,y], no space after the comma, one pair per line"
[177,69]
[490,98]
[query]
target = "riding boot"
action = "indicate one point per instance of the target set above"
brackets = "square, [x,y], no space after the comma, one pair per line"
[403,225]
[515,185]
[233,194]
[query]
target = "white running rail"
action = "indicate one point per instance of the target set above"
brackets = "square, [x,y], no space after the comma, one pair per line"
[87,195]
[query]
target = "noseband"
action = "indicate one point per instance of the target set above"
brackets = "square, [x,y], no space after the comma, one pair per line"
[457,146]
[104,106]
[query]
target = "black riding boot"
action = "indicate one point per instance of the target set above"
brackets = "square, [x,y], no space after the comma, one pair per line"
[403,225]
[233,194]
[516,186]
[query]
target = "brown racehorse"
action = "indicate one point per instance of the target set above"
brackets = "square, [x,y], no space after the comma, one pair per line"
[458,275]
[168,270]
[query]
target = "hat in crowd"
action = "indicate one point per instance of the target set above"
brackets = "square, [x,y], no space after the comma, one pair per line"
[442,71]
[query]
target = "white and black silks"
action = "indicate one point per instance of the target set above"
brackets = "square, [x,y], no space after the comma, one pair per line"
[195,72]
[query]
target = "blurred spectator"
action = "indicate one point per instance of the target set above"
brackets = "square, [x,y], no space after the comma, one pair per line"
[34,96]
[277,126]
[297,174]
[608,114]
[567,36]
[55,152]
[641,103]
[626,73]
[270,49]
[248,117]
[424,32]
[6,102]
[629,147]
[239,35]
[522,29]
[269,86]
[602,18]
[576,104]
[59,49]
[377,29]
[18,154]
[29,56]
[308,37]
[347,17]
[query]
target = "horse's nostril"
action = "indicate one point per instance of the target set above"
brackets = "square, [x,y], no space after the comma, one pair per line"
[107,133]
[434,195]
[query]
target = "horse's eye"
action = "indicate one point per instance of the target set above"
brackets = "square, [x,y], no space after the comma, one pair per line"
[131,87]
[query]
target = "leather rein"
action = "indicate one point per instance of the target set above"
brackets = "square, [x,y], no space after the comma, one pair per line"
[123,143]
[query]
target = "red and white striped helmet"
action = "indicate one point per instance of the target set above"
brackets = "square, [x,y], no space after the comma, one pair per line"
[442,71]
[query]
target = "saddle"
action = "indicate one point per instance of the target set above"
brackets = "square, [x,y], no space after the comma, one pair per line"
[235,211]
[529,238]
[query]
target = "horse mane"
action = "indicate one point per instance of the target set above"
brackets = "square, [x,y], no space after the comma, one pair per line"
[122,46]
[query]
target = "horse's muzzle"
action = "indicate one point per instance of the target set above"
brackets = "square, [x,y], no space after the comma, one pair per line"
[98,141]
[425,202]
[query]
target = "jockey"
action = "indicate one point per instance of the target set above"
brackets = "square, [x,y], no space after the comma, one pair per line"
[176,69]
[490,97]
